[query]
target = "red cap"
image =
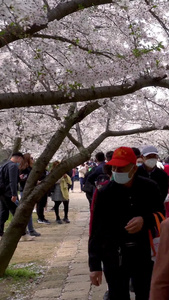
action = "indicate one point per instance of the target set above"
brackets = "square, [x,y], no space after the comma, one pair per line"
[122,157]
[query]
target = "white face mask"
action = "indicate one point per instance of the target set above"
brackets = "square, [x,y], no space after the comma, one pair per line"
[122,178]
[151,162]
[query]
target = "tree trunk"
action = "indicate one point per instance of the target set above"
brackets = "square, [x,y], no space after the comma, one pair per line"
[17,144]
[20,220]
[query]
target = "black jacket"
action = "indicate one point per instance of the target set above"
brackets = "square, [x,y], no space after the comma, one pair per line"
[11,179]
[97,171]
[87,186]
[114,207]
[159,176]
[22,182]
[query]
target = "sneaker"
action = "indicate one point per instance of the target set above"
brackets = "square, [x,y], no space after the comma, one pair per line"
[46,222]
[40,221]
[27,238]
[34,233]
[66,220]
[106,296]
[59,221]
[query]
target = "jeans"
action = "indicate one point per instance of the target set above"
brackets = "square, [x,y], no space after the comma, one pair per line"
[81,179]
[30,223]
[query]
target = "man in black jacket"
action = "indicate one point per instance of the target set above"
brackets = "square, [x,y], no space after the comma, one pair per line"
[9,195]
[150,170]
[119,239]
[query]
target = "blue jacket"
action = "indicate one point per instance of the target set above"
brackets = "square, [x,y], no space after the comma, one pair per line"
[98,170]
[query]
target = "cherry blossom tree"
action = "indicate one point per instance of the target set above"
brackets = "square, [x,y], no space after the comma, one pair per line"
[88,55]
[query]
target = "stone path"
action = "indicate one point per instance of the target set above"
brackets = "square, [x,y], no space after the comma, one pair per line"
[68,274]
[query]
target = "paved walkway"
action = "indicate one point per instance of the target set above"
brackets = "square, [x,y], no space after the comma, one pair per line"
[68,274]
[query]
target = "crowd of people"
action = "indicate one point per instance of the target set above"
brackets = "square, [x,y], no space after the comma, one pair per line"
[125,188]
[13,176]
[121,219]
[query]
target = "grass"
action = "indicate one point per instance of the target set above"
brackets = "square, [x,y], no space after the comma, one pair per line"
[19,280]
[23,271]
[20,273]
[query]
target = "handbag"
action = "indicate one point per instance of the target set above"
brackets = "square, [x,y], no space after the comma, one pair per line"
[154,241]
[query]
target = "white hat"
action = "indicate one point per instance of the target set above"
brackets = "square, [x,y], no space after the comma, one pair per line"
[149,150]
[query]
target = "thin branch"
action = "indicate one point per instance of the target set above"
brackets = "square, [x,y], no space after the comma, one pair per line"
[74,141]
[56,116]
[74,43]
[109,133]
[158,19]
[47,5]
[107,124]
[40,113]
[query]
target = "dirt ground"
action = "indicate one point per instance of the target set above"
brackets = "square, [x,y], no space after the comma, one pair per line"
[37,254]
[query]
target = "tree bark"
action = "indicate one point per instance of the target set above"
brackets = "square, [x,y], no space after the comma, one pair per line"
[12,100]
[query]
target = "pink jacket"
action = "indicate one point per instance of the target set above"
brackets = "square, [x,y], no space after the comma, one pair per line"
[160,277]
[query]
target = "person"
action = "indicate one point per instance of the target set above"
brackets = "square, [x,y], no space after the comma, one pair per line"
[136,151]
[61,194]
[166,202]
[166,166]
[102,180]
[139,161]
[100,158]
[9,196]
[24,171]
[73,178]
[109,155]
[41,204]
[160,276]
[82,171]
[150,170]
[119,239]
[87,186]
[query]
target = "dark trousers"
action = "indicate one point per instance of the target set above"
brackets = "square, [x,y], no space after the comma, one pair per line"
[6,206]
[89,197]
[66,208]
[40,207]
[72,186]
[133,265]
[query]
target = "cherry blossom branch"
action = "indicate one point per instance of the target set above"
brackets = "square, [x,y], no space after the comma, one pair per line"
[158,19]
[109,133]
[15,32]
[11,100]
[74,43]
